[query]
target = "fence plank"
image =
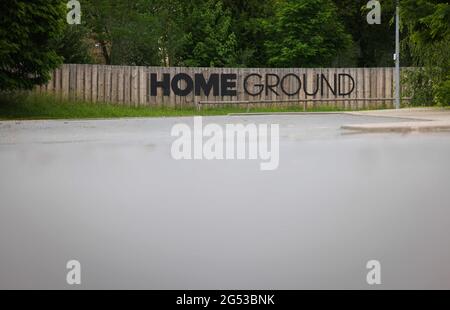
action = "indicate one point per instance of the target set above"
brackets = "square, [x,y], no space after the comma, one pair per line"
[108,85]
[72,81]
[134,96]
[58,81]
[131,86]
[174,100]
[389,86]
[359,87]
[80,81]
[65,81]
[367,87]
[114,84]
[141,86]
[94,83]
[120,87]
[87,83]
[101,83]
[51,83]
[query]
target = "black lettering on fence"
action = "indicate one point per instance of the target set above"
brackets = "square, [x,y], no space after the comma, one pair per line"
[259,85]
[206,86]
[155,84]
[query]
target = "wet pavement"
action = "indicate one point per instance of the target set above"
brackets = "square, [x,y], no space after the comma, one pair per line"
[109,194]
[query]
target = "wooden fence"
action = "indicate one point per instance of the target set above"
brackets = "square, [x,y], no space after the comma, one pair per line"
[130,85]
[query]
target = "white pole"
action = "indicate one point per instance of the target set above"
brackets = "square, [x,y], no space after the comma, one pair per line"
[397,56]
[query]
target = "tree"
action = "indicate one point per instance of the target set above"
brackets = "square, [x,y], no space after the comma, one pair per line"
[26,30]
[209,39]
[172,17]
[427,23]
[305,33]
[248,25]
[73,45]
[126,31]
[373,45]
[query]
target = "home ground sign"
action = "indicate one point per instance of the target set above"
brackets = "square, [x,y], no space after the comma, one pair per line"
[150,86]
[254,84]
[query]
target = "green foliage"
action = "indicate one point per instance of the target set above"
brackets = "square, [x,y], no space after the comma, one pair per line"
[162,32]
[26,31]
[209,40]
[442,92]
[248,25]
[305,33]
[73,45]
[170,36]
[373,45]
[126,31]
[427,22]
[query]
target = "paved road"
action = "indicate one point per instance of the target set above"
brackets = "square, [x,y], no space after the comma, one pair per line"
[108,193]
[421,119]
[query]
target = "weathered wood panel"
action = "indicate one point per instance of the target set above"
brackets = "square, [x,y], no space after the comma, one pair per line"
[108,79]
[373,87]
[94,87]
[120,84]
[65,71]
[101,84]
[80,82]
[87,83]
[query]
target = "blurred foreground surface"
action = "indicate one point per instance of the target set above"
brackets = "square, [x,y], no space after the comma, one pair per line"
[109,194]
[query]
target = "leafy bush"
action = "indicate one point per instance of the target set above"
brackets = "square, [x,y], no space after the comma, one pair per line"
[27,29]
[428,27]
